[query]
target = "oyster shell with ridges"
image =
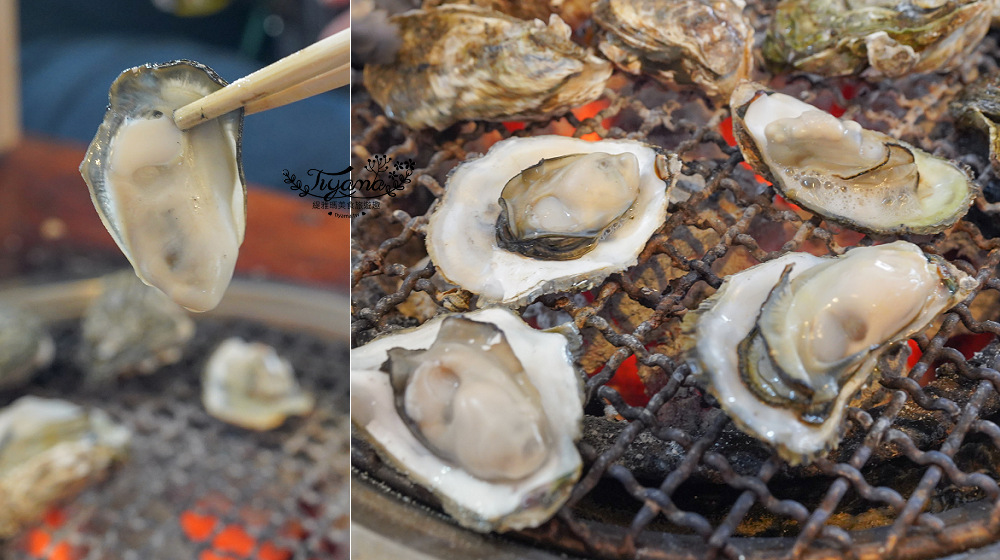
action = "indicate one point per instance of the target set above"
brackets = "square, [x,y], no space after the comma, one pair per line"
[461,62]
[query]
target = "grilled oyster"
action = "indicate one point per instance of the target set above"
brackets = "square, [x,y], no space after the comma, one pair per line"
[25,347]
[784,346]
[892,37]
[546,214]
[50,450]
[130,328]
[978,106]
[461,62]
[702,42]
[481,409]
[247,384]
[863,179]
[173,200]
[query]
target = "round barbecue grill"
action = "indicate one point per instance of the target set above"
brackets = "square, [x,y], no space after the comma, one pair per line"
[666,473]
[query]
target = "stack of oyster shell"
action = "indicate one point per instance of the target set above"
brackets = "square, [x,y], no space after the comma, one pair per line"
[784,347]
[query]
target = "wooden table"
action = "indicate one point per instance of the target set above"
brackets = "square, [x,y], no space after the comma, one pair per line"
[45,208]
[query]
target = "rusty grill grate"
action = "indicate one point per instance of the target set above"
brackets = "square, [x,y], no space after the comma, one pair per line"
[915,477]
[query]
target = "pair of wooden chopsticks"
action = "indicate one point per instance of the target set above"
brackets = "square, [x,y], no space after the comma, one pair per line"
[320,67]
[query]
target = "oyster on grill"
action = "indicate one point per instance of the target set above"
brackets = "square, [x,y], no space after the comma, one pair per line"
[978,106]
[546,214]
[785,345]
[130,328]
[50,450]
[892,37]
[25,347]
[702,42]
[479,408]
[861,178]
[173,200]
[248,384]
[461,62]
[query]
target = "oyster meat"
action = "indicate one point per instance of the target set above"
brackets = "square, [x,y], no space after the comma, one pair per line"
[978,106]
[546,214]
[25,347]
[130,328]
[702,42]
[248,384]
[462,62]
[861,178]
[50,450]
[173,200]
[479,408]
[891,37]
[785,345]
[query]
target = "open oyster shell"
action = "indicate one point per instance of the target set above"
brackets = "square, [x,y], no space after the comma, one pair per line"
[130,328]
[892,37]
[785,345]
[863,179]
[174,201]
[50,450]
[25,347]
[702,42]
[461,62]
[465,237]
[248,384]
[436,401]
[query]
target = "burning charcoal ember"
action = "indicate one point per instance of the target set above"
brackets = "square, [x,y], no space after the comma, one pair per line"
[863,179]
[131,328]
[172,199]
[249,385]
[700,42]
[49,451]
[25,347]
[892,38]
[786,345]
[481,409]
[547,214]
[469,63]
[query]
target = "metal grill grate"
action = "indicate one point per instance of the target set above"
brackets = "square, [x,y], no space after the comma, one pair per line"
[916,475]
[193,487]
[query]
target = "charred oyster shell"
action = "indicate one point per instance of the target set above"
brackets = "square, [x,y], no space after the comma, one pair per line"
[468,238]
[892,37]
[702,42]
[174,201]
[785,345]
[435,402]
[978,106]
[50,450]
[248,384]
[25,347]
[863,179]
[461,62]
[130,328]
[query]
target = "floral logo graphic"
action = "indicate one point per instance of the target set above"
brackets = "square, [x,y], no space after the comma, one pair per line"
[337,191]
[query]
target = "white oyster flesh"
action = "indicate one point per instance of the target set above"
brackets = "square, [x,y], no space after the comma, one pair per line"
[51,449]
[173,200]
[505,458]
[822,324]
[462,234]
[248,384]
[859,177]
[25,347]
[131,328]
